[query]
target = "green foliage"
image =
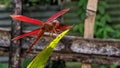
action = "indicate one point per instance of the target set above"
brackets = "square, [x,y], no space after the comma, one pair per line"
[82,15]
[103,66]
[6,3]
[3,65]
[113,66]
[102,27]
[116,34]
[79,28]
[26,62]
[73,65]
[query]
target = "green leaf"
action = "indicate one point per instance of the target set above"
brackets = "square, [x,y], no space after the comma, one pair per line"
[80,12]
[113,66]
[103,66]
[105,34]
[83,16]
[75,28]
[99,32]
[103,3]
[26,62]
[94,65]
[116,35]
[101,9]
[109,29]
[81,2]
[81,28]
[117,26]
[103,20]
[99,24]
[3,65]
[98,17]
[108,18]
[40,60]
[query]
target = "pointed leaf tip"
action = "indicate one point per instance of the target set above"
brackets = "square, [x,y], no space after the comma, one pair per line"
[41,59]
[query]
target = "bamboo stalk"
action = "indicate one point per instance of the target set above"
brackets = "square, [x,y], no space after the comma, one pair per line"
[89,23]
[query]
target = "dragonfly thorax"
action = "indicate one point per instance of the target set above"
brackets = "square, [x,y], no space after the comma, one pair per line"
[48,27]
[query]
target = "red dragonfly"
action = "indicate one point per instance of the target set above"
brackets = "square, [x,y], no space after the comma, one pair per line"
[51,25]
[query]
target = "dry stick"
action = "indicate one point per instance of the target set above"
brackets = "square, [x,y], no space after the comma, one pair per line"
[89,23]
[110,57]
[15,46]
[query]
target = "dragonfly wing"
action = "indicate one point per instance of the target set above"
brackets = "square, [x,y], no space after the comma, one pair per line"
[56,15]
[27,34]
[27,19]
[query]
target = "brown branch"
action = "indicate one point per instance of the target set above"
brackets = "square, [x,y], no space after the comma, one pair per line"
[15,46]
[72,48]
